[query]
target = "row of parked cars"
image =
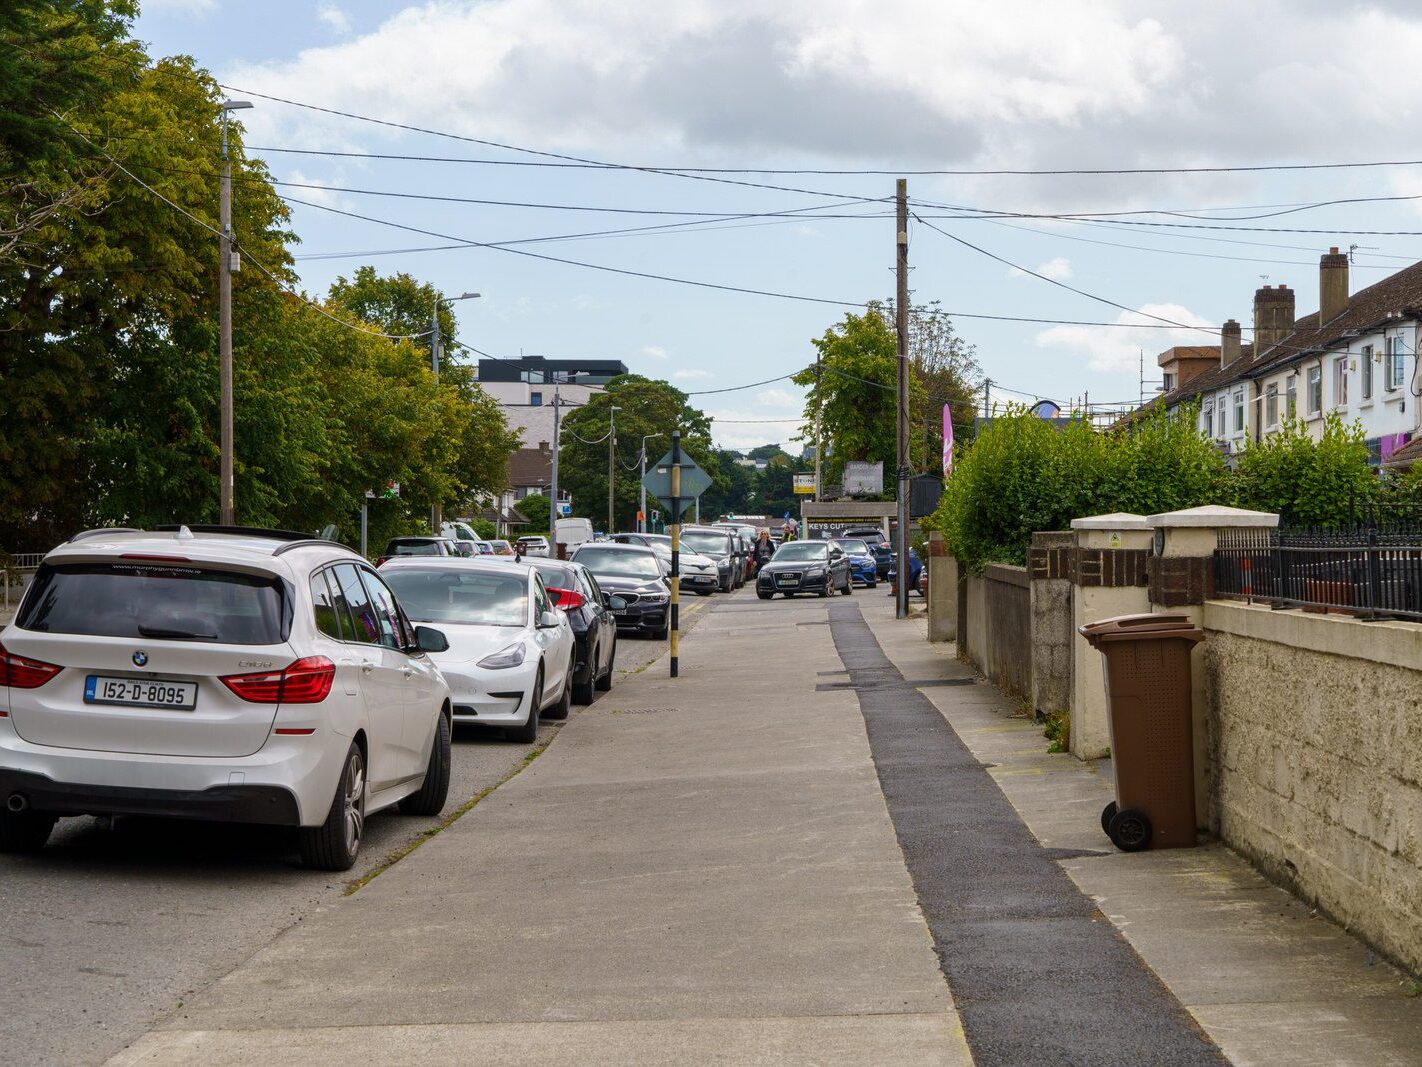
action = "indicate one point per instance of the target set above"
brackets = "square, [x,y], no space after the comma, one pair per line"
[264,676]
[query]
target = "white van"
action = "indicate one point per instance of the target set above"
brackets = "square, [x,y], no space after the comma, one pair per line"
[573,532]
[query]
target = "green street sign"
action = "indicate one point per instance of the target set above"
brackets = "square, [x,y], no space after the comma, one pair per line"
[694,482]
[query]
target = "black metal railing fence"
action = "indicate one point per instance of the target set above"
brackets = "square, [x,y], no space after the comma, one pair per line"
[1373,571]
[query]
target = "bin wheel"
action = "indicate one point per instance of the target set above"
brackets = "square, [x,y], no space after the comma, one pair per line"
[1107,814]
[1130,830]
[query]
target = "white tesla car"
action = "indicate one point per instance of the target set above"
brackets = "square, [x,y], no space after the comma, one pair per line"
[511,651]
[218,673]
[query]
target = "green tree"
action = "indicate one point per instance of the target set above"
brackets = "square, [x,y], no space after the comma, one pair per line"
[645,406]
[535,507]
[1308,482]
[855,392]
[398,303]
[777,495]
[733,490]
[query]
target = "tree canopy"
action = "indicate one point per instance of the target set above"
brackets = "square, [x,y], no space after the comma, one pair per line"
[108,317]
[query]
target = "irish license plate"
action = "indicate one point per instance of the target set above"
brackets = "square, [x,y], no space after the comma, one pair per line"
[140,692]
[619,611]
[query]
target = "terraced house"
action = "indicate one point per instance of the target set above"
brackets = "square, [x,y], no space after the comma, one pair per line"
[1356,356]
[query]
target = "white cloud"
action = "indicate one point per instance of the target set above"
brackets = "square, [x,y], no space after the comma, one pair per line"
[691,374]
[1114,349]
[316,190]
[584,302]
[334,17]
[655,351]
[778,398]
[178,7]
[1058,268]
[1016,82]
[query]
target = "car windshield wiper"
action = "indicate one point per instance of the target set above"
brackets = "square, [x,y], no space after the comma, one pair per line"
[175,634]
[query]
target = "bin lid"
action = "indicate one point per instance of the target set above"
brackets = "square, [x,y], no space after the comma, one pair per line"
[1152,627]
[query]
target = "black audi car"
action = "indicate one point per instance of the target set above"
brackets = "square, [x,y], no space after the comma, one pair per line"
[637,575]
[805,567]
[590,609]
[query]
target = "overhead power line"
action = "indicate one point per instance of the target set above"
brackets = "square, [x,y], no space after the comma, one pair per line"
[279,282]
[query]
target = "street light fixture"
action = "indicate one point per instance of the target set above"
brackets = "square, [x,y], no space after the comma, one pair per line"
[437,509]
[226,503]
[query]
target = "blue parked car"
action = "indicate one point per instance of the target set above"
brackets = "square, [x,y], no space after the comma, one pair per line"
[915,572]
[863,569]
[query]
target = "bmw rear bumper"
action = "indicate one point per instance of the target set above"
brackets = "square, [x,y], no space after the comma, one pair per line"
[269,804]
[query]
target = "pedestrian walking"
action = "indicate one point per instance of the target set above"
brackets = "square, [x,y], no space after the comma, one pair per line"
[763,549]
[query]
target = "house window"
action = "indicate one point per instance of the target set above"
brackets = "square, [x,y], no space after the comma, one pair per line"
[1271,406]
[536,399]
[1394,359]
[1340,382]
[1239,411]
[1207,416]
[1315,390]
[1168,381]
[1291,397]
[1367,367]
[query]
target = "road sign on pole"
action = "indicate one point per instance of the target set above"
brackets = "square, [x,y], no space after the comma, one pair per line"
[693,481]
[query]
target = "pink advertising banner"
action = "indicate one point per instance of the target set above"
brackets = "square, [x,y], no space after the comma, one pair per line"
[947,441]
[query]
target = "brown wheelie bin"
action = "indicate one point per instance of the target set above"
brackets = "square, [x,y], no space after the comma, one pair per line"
[1146,663]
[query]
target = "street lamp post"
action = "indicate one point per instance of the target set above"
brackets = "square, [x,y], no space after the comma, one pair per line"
[437,509]
[611,465]
[642,508]
[227,509]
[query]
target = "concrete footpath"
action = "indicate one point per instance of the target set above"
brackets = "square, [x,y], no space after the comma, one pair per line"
[698,871]
[1266,978]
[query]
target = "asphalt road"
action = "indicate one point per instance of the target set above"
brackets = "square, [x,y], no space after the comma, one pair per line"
[113,925]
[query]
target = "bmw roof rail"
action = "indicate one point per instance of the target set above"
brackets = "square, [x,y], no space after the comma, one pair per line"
[241,531]
[100,532]
[309,542]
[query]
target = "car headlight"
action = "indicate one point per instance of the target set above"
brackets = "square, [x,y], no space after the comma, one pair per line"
[654,598]
[723,564]
[506,657]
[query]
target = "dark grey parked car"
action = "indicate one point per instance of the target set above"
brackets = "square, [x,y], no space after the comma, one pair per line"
[636,575]
[805,567]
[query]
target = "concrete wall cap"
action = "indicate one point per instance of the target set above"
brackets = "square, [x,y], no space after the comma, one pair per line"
[1117,520]
[1214,515]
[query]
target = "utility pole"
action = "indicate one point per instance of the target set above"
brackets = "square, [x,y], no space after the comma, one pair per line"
[901,313]
[436,516]
[553,489]
[227,508]
[987,399]
[675,626]
[819,400]
[611,466]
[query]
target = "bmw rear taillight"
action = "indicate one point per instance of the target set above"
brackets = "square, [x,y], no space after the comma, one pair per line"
[307,681]
[567,599]
[21,672]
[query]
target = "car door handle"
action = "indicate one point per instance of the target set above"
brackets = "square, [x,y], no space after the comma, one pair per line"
[366,666]
[408,671]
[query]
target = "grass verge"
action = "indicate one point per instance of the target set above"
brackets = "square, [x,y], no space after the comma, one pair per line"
[355,884]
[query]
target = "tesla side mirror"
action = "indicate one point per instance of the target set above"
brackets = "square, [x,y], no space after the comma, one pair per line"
[614,602]
[549,620]
[428,639]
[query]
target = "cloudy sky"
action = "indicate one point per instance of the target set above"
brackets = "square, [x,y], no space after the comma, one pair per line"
[730,92]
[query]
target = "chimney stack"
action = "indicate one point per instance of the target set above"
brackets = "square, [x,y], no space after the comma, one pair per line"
[1332,285]
[1229,343]
[1273,316]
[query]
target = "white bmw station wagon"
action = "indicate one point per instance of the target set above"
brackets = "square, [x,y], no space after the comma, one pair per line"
[218,673]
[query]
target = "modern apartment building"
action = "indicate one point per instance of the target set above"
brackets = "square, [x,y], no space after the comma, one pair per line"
[524,388]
